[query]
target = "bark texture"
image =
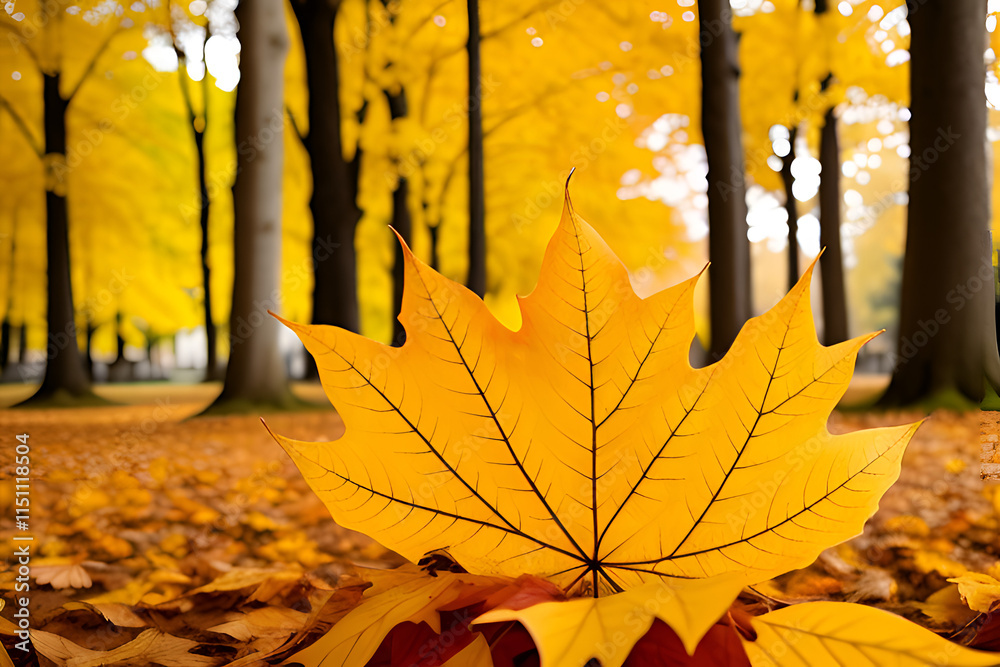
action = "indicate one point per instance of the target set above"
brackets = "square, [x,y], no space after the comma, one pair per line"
[256,374]
[65,375]
[476,280]
[947,273]
[335,180]
[728,247]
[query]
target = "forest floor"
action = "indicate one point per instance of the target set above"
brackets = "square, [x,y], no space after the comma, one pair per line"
[202,535]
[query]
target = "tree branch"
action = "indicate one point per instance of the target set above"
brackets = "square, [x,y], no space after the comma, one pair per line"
[295,125]
[19,121]
[93,62]
[24,43]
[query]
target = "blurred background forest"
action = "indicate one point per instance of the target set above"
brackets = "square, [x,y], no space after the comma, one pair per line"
[121,141]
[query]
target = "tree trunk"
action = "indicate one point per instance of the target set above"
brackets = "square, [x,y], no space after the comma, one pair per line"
[434,231]
[204,210]
[335,180]
[401,222]
[476,279]
[947,274]
[22,344]
[831,264]
[728,247]
[65,377]
[89,351]
[792,210]
[256,375]
[4,344]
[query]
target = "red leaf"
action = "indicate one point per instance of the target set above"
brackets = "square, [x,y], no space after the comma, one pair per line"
[661,647]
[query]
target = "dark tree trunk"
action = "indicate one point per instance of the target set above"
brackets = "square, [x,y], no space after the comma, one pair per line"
[434,231]
[256,375]
[792,210]
[947,275]
[476,280]
[5,331]
[65,377]
[22,344]
[831,264]
[89,351]
[335,180]
[728,247]
[204,209]
[401,222]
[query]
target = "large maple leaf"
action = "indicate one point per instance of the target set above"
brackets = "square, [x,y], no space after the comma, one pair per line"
[583,447]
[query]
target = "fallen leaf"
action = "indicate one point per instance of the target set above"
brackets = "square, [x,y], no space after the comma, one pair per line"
[62,575]
[151,646]
[121,615]
[946,608]
[263,622]
[979,591]
[834,634]
[356,638]
[661,647]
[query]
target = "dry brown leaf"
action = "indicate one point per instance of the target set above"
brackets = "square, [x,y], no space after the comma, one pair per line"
[62,575]
[980,591]
[263,622]
[119,614]
[150,647]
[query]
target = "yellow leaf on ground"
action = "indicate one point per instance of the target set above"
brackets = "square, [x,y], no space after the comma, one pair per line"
[246,577]
[834,634]
[570,633]
[263,622]
[946,608]
[980,591]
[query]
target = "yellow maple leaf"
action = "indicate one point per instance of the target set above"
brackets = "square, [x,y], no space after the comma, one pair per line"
[583,447]
[821,634]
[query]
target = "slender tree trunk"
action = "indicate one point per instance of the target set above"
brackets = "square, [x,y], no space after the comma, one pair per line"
[335,180]
[256,375]
[401,222]
[89,351]
[476,280]
[728,247]
[65,376]
[791,209]
[434,231]
[947,275]
[831,264]
[22,344]
[204,213]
